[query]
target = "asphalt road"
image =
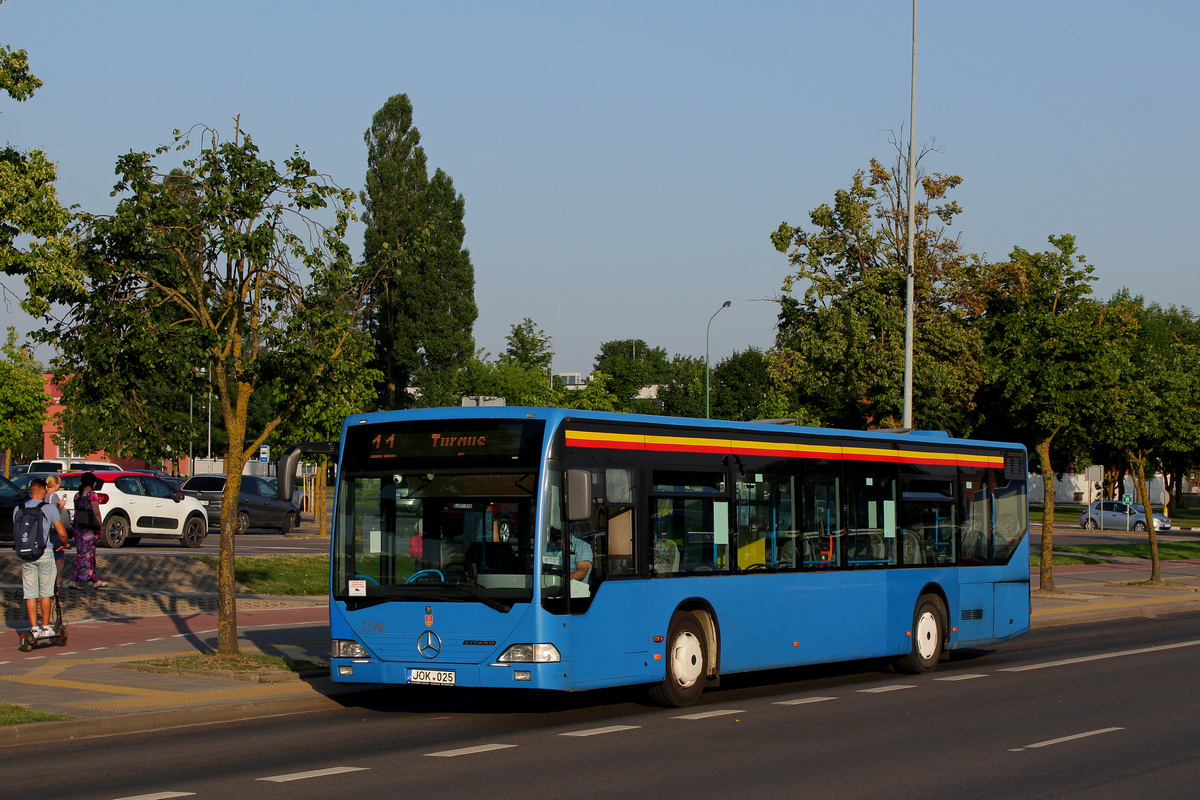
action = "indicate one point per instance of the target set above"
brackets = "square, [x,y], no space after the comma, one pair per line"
[1107,709]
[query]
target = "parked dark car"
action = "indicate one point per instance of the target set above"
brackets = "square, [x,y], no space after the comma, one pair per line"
[258,506]
[10,498]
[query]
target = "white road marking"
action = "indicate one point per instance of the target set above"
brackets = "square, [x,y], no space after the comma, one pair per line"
[718,713]
[99,648]
[598,731]
[315,773]
[158,796]
[155,639]
[959,677]
[1062,739]
[895,687]
[467,751]
[1082,659]
[802,701]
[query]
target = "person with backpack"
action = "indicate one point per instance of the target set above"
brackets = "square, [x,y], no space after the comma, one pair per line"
[34,521]
[86,529]
[54,499]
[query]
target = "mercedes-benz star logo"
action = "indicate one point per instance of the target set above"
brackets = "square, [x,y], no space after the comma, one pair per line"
[429,644]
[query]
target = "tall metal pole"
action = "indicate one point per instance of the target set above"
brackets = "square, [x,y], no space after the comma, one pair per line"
[911,266]
[707,371]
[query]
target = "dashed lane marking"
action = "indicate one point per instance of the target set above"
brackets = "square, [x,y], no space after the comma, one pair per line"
[598,731]
[721,712]
[895,687]
[803,700]
[1083,659]
[1062,739]
[158,796]
[959,677]
[313,773]
[468,751]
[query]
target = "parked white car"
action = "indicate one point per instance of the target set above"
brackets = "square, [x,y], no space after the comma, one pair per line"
[137,506]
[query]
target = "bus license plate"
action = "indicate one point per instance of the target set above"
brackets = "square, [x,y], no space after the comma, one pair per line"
[437,677]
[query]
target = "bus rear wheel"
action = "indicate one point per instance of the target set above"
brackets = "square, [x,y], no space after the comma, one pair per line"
[686,663]
[928,636]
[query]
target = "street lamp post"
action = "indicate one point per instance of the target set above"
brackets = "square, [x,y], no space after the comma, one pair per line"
[707,371]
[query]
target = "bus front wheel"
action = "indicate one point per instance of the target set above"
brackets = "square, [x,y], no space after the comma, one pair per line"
[686,663]
[928,636]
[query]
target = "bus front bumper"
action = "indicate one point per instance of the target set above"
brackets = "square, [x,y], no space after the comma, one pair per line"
[492,676]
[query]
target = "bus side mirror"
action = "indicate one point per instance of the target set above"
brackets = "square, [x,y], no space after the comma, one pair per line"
[579,495]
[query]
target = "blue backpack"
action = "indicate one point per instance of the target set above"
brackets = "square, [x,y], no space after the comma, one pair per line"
[29,532]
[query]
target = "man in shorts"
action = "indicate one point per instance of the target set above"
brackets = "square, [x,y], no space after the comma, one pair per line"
[37,577]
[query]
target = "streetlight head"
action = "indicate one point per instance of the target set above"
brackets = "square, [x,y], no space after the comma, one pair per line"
[726,304]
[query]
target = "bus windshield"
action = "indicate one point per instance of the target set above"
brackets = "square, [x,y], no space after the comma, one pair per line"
[436,536]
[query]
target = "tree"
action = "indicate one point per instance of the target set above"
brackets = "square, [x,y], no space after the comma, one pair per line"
[22,398]
[630,365]
[840,347]
[423,287]
[529,346]
[741,385]
[223,264]
[35,239]
[521,375]
[1155,412]
[682,392]
[1049,362]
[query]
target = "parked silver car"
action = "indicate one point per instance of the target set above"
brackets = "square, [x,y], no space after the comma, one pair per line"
[1114,515]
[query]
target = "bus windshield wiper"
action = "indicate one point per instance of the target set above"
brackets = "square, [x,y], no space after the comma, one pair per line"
[458,588]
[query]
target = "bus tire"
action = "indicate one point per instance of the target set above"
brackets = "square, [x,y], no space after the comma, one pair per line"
[928,636]
[686,663]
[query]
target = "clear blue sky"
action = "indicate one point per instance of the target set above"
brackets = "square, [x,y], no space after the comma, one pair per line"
[633,157]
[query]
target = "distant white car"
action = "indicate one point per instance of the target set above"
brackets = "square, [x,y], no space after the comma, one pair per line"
[136,506]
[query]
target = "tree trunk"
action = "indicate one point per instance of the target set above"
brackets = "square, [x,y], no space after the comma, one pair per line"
[1138,468]
[1046,566]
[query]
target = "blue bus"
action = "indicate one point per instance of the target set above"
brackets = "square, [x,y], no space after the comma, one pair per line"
[569,550]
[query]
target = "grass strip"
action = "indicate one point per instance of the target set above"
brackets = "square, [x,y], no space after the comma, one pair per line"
[12,714]
[244,663]
[1063,561]
[279,575]
[1166,550]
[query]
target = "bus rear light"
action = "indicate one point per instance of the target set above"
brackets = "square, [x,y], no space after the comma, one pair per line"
[660,638]
[348,648]
[540,653]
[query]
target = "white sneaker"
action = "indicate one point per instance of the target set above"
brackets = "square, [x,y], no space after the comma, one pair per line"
[46,630]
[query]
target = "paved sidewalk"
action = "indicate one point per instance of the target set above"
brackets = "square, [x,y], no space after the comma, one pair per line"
[90,679]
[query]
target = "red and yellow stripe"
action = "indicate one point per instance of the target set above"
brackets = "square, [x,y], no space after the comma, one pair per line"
[694,444]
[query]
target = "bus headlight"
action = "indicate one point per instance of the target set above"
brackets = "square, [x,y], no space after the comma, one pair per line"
[348,648]
[541,653]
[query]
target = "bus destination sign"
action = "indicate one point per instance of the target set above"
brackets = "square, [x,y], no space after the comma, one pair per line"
[445,444]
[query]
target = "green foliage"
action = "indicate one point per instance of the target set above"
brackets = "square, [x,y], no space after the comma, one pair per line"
[421,277]
[741,386]
[35,240]
[839,352]
[229,263]
[629,365]
[529,347]
[22,396]
[13,714]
